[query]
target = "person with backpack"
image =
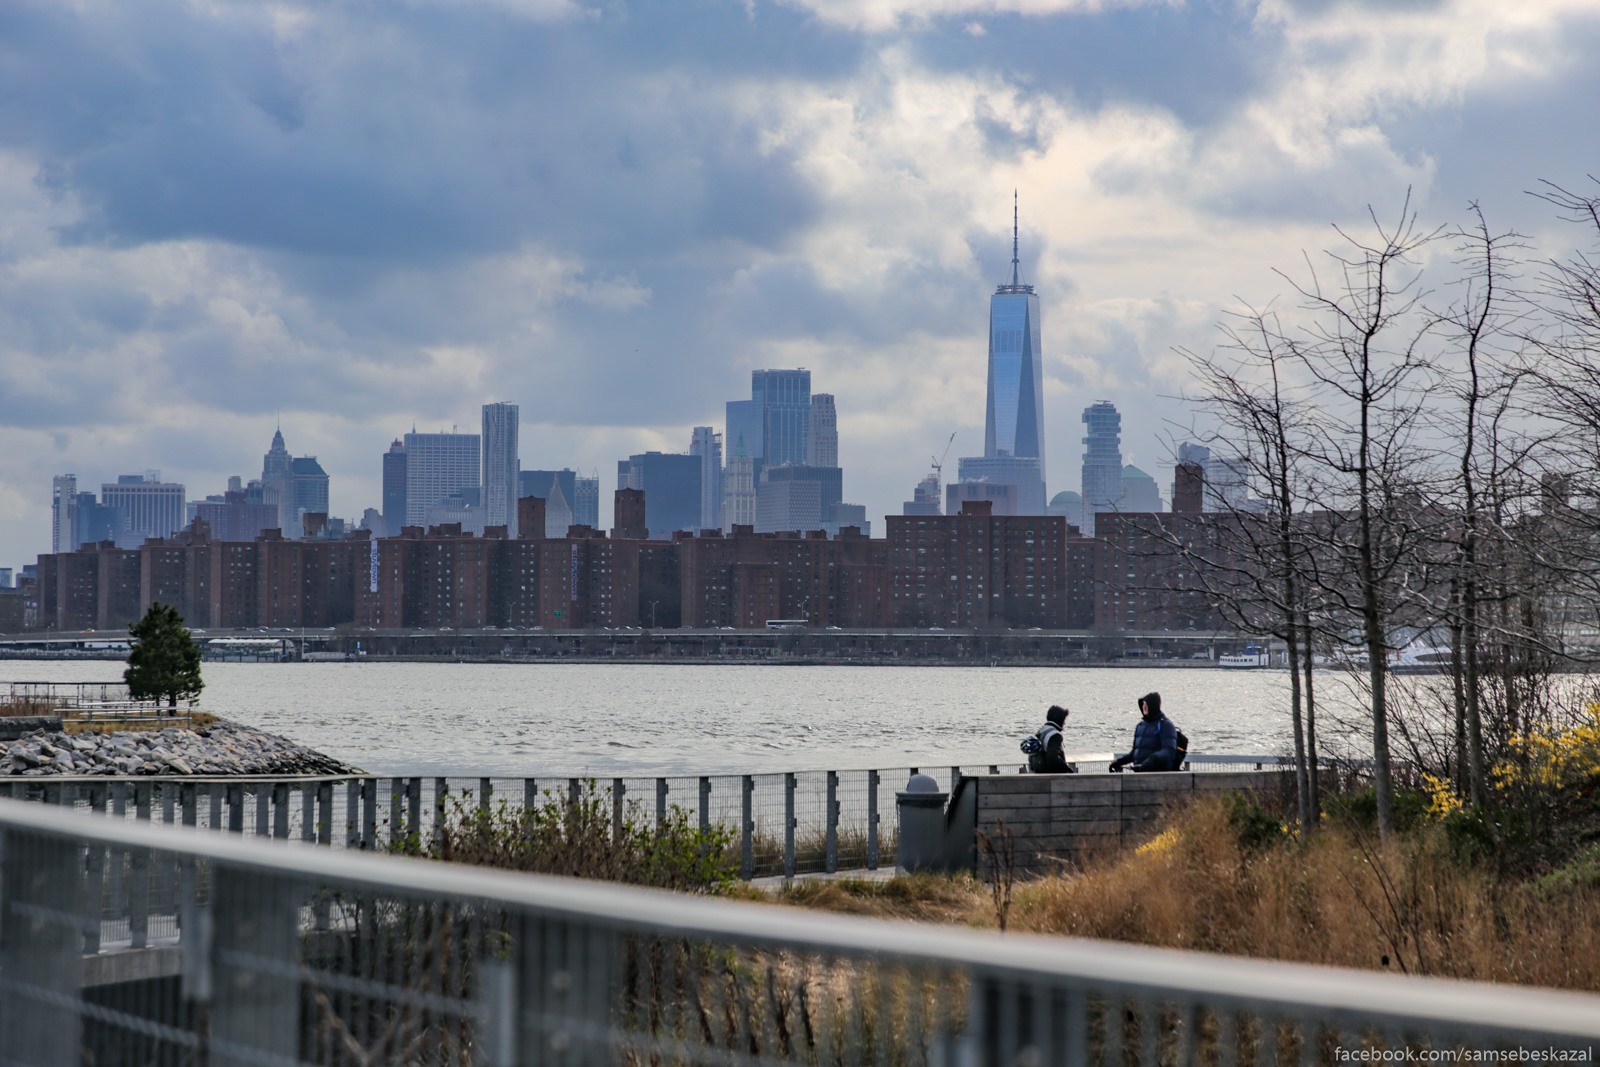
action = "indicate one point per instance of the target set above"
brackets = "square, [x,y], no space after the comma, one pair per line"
[1046,748]
[1156,740]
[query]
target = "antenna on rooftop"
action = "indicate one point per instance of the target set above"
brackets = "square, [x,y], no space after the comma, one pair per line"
[1014,237]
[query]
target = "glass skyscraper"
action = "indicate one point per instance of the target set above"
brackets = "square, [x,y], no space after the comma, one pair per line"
[1014,422]
[1013,435]
[1102,461]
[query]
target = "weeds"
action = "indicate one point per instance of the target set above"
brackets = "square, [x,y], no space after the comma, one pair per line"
[581,837]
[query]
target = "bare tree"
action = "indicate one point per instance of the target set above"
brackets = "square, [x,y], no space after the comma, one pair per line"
[1362,347]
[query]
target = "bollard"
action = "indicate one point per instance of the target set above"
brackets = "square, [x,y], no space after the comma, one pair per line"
[921,810]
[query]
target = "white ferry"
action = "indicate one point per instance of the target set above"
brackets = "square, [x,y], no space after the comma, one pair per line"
[1251,658]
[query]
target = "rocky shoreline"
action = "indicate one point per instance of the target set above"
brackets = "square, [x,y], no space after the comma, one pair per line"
[222,748]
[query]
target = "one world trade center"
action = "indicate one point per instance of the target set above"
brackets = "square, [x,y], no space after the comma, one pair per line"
[1013,438]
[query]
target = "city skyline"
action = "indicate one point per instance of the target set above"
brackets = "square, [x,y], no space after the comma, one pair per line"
[310,218]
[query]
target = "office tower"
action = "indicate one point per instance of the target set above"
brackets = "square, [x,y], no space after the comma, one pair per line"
[500,466]
[1014,419]
[1000,496]
[742,429]
[149,507]
[1228,484]
[1102,461]
[394,489]
[706,445]
[1139,491]
[784,399]
[437,466]
[671,486]
[1022,472]
[796,497]
[277,460]
[308,492]
[235,518]
[96,522]
[1013,433]
[530,517]
[64,513]
[586,502]
[5,578]
[924,498]
[539,483]
[823,450]
[739,489]
[557,512]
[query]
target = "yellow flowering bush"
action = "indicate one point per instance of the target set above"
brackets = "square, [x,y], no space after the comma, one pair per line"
[1443,800]
[1554,758]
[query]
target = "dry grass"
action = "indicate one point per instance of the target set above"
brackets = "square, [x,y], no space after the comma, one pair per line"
[182,720]
[23,706]
[1339,898]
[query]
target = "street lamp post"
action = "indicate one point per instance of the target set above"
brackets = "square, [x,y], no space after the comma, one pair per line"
[653,614]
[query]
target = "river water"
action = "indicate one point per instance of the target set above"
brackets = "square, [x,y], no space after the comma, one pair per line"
[516,720]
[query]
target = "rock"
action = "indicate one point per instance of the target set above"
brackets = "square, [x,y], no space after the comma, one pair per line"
[178,764]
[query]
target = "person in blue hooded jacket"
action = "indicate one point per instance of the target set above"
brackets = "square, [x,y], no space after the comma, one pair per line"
[1155,739]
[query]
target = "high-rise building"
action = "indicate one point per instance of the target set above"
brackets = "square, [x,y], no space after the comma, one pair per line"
[823,450]
[149,507]
[1102,461]
[64,513]
[1014,420]
[1013,434]
[394,489]
[97,522]
[500,466]
[308,492]
[1139,491]
[924,498]
[739,489]
[438,465]
[784,399]
[557,512]
[742,429]
[706,445]
[671,486]
[1020,472]
[586,501]
[1067,504]
[796,497]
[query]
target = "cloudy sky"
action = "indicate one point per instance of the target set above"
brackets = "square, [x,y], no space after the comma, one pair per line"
[357,217]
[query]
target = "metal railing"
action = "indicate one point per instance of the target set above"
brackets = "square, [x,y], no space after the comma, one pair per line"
[782,823]
[276,953]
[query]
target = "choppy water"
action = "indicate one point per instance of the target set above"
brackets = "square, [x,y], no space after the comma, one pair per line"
[524,719]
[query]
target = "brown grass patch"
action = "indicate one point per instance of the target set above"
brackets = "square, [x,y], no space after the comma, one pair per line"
[1338,898]
[194,720]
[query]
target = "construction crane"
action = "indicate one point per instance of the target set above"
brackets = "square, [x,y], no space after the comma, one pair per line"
[938,463]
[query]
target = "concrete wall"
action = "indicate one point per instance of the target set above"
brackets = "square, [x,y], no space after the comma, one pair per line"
[1059,820]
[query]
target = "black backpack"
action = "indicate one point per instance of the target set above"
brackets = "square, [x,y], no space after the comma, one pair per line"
[1183,745]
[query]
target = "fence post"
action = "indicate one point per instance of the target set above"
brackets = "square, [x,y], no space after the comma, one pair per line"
[255,1009]
[235,808]
[485,791]
[139,875]
[397,811]
[369,813]
[95,872]
[788,824]
[352,813]
[308,812]
[263,794]
[831,861]
[661,802]
[619,789]
[747,829]
[41,937]
[414,804]
[872,820]
[280,810]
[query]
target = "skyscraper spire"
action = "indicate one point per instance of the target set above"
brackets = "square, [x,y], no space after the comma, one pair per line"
[1013,237]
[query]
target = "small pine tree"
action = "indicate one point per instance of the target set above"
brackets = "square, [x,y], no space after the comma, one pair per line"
[165,661]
